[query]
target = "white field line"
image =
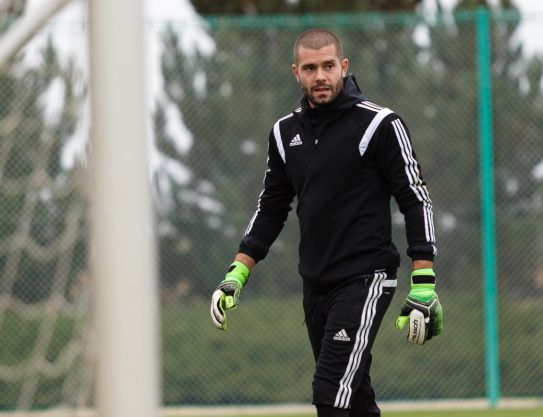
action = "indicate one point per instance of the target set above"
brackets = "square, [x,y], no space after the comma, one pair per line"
[290,409]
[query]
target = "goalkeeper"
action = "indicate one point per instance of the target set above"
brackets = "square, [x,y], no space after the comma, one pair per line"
[343,158]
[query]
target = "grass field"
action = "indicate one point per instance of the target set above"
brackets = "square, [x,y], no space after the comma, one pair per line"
[466,413]
[535,412]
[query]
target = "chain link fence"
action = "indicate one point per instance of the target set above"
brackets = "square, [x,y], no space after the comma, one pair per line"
[216,102]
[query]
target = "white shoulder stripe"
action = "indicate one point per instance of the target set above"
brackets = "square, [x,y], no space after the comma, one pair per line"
[368,134]
[370,104]
[277,135]
[367,107]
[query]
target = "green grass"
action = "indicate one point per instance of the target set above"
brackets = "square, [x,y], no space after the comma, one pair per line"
[535,412]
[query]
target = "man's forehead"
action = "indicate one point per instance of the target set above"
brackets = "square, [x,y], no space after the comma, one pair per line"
[310,55]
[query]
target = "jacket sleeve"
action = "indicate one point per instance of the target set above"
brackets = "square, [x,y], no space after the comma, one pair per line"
[403,175]
[274,204]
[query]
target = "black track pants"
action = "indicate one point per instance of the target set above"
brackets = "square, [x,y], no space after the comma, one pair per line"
[342,325]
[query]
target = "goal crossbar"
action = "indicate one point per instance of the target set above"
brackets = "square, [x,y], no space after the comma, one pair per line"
[22,30]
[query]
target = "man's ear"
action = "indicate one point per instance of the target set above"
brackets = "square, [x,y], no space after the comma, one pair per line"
[295,72]
[344,67]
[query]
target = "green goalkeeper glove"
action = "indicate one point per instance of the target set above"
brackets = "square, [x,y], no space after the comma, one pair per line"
[421,308]
[226,295]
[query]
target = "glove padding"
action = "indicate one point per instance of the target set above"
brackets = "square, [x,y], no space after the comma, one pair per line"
[421,308]
[226,296]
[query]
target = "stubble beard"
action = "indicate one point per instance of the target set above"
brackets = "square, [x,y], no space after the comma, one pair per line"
[334,89]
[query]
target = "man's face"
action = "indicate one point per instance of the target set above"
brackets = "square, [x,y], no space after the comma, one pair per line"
[320,72]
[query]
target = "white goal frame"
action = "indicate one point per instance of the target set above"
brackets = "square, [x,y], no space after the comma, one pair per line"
[22,30]
[124,244]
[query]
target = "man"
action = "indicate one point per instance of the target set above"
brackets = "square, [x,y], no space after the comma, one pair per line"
[343,157]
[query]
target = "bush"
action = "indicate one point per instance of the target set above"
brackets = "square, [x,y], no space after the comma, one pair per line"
[265,356]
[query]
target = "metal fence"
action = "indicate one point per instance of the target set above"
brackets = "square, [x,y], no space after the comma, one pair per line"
[473,103]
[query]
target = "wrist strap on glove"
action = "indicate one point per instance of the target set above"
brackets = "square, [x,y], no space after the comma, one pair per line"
[423,283]
[238,272]
[423,276]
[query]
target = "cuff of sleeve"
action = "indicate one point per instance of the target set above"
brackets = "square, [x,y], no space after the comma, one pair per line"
[421,256]
[252,247]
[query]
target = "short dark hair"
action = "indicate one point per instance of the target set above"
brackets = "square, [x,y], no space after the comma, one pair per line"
[317,38]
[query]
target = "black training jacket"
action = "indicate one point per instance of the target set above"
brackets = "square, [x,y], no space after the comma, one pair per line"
[343,161]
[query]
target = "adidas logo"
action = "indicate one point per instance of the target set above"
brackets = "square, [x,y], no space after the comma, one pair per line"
[296,140]
[342,336]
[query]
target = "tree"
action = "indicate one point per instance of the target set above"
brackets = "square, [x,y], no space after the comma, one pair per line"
[517,117]
[227,157]
[252,7]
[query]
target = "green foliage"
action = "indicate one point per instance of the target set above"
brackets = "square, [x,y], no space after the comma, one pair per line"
[265,356]
[518,351]
[227,156]
[265,344]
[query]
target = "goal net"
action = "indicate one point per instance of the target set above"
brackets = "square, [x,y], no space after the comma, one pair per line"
[44,284]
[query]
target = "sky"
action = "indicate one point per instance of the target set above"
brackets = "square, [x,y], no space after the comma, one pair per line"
[68,31]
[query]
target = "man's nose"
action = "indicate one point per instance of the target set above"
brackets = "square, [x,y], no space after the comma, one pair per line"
[320,76]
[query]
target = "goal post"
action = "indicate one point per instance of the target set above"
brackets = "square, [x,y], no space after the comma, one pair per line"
[123,245]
